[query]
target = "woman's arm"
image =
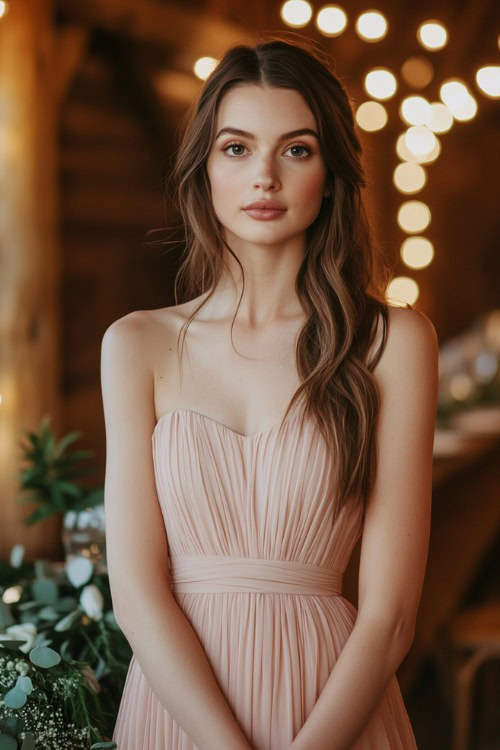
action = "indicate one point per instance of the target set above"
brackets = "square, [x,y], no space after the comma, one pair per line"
[161,637]
[394,542]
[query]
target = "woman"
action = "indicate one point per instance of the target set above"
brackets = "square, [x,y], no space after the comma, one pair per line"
[247,642]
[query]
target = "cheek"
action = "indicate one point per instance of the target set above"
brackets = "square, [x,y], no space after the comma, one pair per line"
[310,187]
[224,178]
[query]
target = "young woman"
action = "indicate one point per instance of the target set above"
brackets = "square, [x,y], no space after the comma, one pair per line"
[304,420]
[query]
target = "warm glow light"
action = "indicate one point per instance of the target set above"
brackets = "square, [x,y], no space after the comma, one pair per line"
[371,26]
[12,594]
[401,290]
[417,252]
[331,20]
[441,119]
[488,80]
[417,71]
[432,35]
[468,111]
[296,13]
[405,154]
[454,93]
[414,216]
[460,386]
[174,85]
[415,110]
[3,8]
[371,116]
[420,140]
[380,83]
[204,66]
[409,178]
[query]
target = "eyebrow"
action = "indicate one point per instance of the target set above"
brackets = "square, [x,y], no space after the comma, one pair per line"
[283,137]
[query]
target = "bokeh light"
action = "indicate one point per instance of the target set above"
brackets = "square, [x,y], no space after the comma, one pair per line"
[296,13]
[371,116]
[331,20]
[432,35]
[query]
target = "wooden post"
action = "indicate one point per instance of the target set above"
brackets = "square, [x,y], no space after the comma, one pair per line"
[30,260]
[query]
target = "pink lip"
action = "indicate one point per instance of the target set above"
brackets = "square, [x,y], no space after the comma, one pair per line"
[269,204]
[265,213]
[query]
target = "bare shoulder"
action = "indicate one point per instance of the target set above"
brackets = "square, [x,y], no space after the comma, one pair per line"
[140,330]
[412,342]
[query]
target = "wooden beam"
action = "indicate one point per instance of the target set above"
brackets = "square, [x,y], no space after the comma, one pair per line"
[30,315]
[70,46]
[194,32]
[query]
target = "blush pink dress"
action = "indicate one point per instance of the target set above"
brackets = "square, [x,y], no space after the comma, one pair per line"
[256,565]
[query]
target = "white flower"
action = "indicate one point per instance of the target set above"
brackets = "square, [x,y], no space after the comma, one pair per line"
[24,631]
[92,601]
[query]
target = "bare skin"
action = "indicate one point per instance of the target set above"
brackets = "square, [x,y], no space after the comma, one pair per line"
[247,387]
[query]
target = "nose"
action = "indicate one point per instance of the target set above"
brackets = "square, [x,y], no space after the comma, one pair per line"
[266,176]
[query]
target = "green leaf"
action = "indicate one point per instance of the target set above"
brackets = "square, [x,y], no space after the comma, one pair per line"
[68,621]
[65,604]
[79,570]
[39,514]
[44,657]
[110,745]
[7,742]
[45,591]
[65,441]
[70,489]
[15,698]
[48,613]
[11,644]
[24,682]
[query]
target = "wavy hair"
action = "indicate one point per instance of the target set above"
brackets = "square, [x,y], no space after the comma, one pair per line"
[342,278]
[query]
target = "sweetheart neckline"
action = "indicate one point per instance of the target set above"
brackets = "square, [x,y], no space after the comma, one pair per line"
[220,424]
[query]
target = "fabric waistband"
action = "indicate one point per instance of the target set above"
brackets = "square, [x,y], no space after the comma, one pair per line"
[201,574]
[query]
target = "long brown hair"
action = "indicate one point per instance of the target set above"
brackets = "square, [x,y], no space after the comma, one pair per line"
[339,285]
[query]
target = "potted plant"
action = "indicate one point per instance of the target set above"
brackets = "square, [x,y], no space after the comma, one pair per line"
[50,480]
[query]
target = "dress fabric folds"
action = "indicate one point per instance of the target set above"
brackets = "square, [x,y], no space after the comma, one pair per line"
[256,564]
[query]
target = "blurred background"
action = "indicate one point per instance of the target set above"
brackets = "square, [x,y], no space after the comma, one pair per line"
[91,99]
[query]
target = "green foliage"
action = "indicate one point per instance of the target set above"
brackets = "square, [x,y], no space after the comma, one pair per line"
[63,657]
[51,472]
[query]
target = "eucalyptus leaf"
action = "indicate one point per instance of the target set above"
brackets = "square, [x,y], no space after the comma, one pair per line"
[79,570]
[110,745]
[68,621]
[65,604]
[45,590]
[44,657]
[15,698]
[43,569]
[42,640]
[11,725]
[48,613]
[24,682]
[16,555]
[7,742]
